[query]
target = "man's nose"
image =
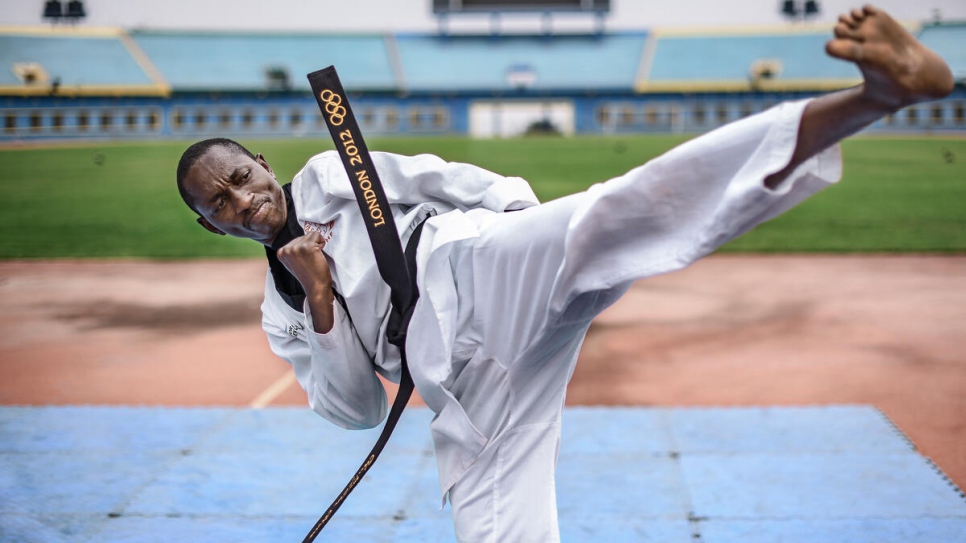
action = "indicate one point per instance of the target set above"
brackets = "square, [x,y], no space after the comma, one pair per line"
[242,199]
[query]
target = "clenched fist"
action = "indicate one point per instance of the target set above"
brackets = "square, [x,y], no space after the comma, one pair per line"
[304,258]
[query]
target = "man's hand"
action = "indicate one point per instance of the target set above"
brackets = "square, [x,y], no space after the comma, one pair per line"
[303,257]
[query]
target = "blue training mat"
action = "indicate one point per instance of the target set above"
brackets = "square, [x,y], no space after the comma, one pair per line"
[718,475]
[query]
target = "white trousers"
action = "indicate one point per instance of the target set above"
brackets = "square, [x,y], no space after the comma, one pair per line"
[513,387]
[537,277]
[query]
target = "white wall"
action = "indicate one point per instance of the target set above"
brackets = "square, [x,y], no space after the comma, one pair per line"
[416,15]
[511,118]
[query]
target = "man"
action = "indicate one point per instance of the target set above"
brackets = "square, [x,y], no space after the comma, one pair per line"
[506,298]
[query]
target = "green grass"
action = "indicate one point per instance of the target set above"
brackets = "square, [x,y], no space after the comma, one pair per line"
[111,200]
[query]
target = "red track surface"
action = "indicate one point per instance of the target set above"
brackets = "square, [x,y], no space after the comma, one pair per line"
[730,330]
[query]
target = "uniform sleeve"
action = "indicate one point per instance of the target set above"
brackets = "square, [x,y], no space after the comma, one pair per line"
[411,180]
[334,369]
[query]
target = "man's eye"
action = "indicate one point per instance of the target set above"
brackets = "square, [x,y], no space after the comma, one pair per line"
[220,204]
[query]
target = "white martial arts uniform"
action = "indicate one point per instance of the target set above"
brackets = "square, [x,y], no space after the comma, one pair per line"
[506,298]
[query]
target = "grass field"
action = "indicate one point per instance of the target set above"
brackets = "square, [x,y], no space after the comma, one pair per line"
[120,200]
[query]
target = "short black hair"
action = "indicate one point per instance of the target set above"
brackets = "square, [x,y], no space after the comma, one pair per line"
[198,150]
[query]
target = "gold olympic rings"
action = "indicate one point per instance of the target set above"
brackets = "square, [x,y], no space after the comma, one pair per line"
[333,106]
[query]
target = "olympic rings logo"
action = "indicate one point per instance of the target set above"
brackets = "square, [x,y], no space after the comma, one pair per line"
[333,106]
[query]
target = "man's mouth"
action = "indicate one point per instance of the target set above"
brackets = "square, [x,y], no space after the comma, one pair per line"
[255,214]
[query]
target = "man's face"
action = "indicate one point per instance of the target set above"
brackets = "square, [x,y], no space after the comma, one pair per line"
[236,195]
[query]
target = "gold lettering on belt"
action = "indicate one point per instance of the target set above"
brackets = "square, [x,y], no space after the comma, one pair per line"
[375,211]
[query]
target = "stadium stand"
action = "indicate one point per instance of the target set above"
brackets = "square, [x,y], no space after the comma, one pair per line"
[108,83]
[258,62]
[488,63]
[744,61]
[77,61]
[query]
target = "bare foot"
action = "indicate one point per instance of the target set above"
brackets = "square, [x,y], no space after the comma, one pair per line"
[898,70]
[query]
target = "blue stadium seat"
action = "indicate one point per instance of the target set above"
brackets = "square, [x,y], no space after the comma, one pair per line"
[482,63]
[238,62]
[710,59]
[73,59]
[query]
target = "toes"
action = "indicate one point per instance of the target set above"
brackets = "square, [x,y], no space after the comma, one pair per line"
[848,21]
[845,49]
[858,15]
[869,9]
[846,32]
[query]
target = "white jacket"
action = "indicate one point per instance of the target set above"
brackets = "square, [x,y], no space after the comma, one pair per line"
[338,369]
[657,218]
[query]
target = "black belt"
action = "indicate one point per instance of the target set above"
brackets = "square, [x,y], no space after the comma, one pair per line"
[398,269]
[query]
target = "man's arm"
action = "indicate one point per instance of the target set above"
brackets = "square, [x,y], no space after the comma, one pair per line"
[421,178]
[334,369]
[412,180]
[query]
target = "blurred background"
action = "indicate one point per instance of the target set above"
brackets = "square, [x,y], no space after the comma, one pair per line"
[488,68]
[111,294]
[564,93]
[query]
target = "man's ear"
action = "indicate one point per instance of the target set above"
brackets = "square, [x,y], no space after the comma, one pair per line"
[210,227]
[264,163]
